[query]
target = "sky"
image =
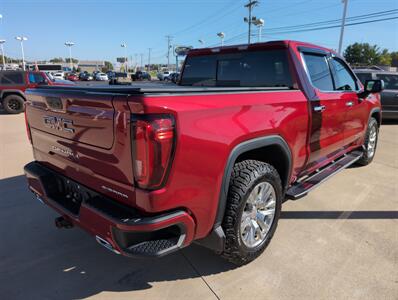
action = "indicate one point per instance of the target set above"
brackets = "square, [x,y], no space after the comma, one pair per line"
[98,27]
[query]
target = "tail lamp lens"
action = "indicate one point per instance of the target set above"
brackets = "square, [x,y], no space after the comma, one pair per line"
[152,143]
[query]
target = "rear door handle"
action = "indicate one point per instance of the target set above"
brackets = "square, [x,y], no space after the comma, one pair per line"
[349,103]
[319,108]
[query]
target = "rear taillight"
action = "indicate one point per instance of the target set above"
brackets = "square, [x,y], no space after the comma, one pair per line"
[153,139]
[28,133]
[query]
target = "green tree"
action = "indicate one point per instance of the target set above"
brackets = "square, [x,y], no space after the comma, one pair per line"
[385,58]
[108,66]
[363,54]
[394,59]
[56,60]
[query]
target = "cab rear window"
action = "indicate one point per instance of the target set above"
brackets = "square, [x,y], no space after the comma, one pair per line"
[244,69]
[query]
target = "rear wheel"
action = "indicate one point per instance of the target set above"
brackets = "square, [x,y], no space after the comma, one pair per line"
[252,211]
[369,147]
[13,104]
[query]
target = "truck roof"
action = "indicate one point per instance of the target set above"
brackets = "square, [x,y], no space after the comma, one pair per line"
[256,46]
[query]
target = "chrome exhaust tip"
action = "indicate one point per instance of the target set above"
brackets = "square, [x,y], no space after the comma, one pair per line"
[106,244]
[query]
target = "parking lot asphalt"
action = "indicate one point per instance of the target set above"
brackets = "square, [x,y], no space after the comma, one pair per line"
[339,242]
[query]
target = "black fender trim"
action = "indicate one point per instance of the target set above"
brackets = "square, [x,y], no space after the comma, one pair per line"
[235,153]
[19,92]
[216,238]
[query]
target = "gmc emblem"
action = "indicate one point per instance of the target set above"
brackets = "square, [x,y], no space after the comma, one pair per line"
[59,124]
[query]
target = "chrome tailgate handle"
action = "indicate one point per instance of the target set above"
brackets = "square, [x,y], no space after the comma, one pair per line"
[349,103]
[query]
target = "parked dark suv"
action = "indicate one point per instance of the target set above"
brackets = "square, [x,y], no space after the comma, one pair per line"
[389,97]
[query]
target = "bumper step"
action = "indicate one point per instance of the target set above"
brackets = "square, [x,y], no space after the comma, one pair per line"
[302,187]
[152,248]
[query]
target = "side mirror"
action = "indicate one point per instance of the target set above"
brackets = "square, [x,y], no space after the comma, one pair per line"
[372,86]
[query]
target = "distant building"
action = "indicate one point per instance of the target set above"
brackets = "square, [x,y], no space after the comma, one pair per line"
[90,65]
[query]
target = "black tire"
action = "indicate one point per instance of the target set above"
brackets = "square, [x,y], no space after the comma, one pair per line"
[367,156]
[14,104]
[245,176]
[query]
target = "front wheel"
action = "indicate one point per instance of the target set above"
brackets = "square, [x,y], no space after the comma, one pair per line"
[252,210]
[14,104]
[369,147]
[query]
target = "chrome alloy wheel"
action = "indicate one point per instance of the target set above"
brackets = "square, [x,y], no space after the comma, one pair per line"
[258,214]
[372,141]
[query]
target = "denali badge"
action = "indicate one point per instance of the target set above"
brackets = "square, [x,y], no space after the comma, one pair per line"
[114,191]
[65,151]
[59,124]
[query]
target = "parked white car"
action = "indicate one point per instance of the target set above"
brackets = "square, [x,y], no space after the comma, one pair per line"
[164,75]
[58,75]
[101,77]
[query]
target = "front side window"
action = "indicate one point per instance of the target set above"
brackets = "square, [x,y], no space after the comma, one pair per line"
[36,78]
[390,81]
[319,72]
[344,81]
[39,78]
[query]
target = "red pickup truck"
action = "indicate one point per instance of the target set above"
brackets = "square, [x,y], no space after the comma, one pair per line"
[150,169]
[14,83]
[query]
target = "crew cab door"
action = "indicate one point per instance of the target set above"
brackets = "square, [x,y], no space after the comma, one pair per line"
[328,111]
[356,116]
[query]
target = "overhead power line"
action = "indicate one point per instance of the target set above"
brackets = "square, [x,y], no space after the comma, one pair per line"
[333,24]
[377,14]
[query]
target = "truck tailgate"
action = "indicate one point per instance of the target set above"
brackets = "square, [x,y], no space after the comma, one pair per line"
[84,136]
[84,118]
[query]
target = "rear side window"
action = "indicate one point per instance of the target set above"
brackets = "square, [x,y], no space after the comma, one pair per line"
[390,81]
[344,80]
[11,78]
[319,72]
[245,69]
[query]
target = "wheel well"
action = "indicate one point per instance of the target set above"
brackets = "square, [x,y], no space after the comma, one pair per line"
[376,115]
[6,94]
[273,155]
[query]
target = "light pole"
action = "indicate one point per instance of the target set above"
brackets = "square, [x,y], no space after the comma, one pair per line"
[260,24]
[342,25]
[22,39]
[169,39]
[149,59]
[2,53]
[249,20]
[70,44]
[126,66]
[221,35]
[136,61]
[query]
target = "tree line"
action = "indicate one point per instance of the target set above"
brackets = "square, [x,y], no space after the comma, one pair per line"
[364,54]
